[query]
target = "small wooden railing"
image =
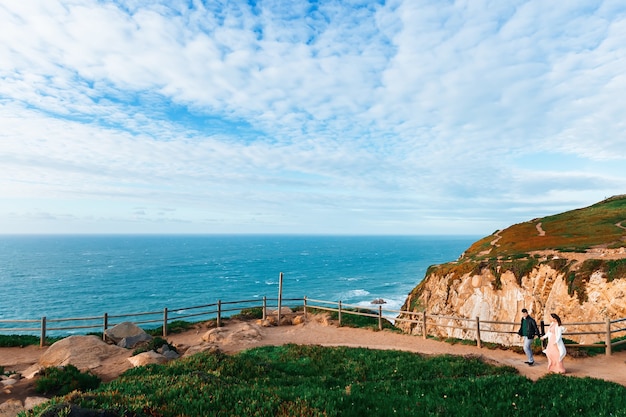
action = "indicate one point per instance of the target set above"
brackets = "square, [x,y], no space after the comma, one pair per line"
[216,311]
[472,328]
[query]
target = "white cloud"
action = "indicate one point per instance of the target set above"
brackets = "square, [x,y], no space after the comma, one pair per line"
[325,117]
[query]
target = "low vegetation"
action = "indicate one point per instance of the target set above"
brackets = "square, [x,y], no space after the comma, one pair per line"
[572,231]
[65,379]
[295,380]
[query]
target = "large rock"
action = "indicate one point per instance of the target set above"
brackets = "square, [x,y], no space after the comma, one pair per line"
[126,330]
[147,358]
[202,347]
[84,352]
[133,341]
[240,333]
[32,402]
[11,408]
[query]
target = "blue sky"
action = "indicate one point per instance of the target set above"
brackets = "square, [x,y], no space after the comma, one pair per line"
[343,117]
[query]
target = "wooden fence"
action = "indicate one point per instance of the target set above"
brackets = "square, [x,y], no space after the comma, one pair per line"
[474,326]
[163,317]
[470,328]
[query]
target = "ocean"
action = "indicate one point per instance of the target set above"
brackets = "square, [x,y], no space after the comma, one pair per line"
[81,276]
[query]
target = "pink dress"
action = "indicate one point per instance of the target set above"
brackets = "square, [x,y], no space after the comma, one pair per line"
[555,351]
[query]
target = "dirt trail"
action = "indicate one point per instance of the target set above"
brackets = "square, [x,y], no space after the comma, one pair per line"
[610,368]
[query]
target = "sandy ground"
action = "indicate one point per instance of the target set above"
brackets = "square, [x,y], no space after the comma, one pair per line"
[611,368]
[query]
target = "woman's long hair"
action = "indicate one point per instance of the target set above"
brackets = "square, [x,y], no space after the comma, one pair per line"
[556,317]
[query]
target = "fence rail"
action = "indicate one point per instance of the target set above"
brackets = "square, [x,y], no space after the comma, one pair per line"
[217,310]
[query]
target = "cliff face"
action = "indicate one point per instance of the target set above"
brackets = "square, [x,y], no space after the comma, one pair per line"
[582,277]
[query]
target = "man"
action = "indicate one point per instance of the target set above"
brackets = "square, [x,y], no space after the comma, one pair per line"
[528,330]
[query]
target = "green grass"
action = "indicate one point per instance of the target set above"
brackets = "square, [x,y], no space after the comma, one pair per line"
[294,380]
[20,340]
[64,379]
[17,340]
[571,231]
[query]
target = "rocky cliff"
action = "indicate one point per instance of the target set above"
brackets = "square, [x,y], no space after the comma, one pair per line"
[572,264]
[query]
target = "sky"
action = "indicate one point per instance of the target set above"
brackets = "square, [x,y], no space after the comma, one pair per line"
[396,117]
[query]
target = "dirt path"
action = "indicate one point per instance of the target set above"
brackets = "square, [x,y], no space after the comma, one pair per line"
[611,368]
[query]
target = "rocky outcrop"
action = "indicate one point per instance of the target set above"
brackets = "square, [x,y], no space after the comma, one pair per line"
[238,334]
[147,358]
[84,352]
[572,264]
[127,335]
[575,286]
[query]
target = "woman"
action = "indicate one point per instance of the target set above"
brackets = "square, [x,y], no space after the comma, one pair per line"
[555,351]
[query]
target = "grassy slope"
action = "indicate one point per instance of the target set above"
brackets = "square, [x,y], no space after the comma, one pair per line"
[575,230]
[296,380]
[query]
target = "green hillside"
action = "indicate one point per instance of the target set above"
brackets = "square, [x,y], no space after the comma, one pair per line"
[599,225]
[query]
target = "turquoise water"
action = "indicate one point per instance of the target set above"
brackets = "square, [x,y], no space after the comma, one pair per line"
[79,276]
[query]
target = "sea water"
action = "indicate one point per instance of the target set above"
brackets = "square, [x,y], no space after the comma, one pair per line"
[82,276]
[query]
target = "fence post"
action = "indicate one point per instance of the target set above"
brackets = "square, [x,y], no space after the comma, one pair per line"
[478,342]
[339,313]
[219,313]
[304,307]
[380,317]
[280,297]
[105,325]
[264,307]
[609,346]
[165,322]
[42,339]
[424,324]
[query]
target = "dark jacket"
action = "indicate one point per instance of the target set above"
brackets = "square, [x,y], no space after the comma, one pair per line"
[533,330]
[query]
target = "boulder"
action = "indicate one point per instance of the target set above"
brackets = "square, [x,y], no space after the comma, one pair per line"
[283,311]
[245,332]
[130,342]
[8,381]
[168,353]
[32,402]
[147,358]
[123,330]
[202,347]
[241,333]
[84,352]
[11,408]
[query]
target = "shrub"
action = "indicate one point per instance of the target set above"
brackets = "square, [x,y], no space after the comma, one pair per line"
[250,313]
[155,344]
[65,379]
[15,340]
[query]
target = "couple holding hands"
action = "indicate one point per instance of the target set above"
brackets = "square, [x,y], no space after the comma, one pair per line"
[555,350]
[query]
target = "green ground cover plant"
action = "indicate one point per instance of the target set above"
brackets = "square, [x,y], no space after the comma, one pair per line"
[358,321]
[65,379]
[571,231]
[295,380]
[17,340]
[21,340]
